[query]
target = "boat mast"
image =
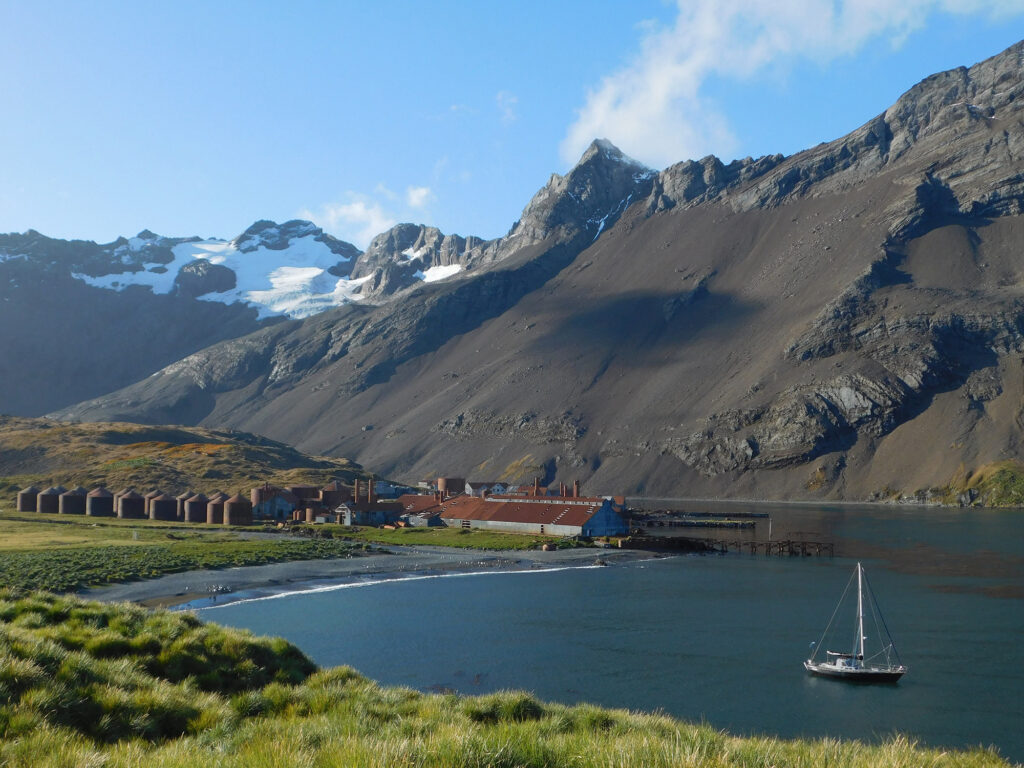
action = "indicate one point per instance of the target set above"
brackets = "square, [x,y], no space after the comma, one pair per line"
[860,613]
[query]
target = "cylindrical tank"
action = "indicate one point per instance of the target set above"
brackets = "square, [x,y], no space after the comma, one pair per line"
[262,493]
[150,496]
[181,499]
[72,502]
[195,509]
[163,507]
[450,486]
[310,514]
[131,505]
[215,509]
[119,494]
[238,511]
[48,501]
[27,499]
[99,503]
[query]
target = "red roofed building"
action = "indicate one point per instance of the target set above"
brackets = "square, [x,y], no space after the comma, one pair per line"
[419,510]
[550,515]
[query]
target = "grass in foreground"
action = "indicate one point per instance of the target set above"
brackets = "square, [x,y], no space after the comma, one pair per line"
[100,685]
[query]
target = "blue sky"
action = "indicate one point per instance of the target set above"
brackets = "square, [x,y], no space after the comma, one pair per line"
[199,118]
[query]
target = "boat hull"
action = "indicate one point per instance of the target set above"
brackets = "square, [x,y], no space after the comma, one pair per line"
[856,674]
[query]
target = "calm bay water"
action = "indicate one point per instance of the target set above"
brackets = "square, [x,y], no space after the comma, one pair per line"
[719,638]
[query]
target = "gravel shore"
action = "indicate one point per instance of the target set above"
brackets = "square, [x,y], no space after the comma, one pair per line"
[202,587]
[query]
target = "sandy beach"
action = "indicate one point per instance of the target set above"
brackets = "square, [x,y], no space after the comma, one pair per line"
[201,587]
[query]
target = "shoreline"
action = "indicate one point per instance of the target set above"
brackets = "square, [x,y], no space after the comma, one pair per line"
[205,588]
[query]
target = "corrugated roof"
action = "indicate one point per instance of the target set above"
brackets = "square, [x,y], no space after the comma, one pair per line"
[513,509]
[415,503]
[100,493]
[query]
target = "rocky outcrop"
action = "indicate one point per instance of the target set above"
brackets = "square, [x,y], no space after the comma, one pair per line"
[590,198]
[530,426]
[278,237]
[201,277]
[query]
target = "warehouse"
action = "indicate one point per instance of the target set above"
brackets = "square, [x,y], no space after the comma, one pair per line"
[550,515]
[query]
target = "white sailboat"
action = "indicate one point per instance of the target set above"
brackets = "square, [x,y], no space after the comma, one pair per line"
[878,665]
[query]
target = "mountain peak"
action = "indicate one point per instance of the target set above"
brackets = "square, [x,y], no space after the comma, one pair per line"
[604,150]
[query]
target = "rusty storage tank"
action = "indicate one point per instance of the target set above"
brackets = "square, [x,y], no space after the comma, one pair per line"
[262,493]
[215,509]
[150,496]
[163,507]
[195,509]
[310,514]
[131,506]
[119,494]
[99,503]
[27,499]
[48,501]
[72,502]
[450,486]
[238,511]
[181,499]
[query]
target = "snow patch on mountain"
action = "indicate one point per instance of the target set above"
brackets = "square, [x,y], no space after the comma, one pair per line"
[292,281]
[434,274]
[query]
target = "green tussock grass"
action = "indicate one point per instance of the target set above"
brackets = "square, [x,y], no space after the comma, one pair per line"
[461,538]
[63,555]
[84,684]
[996,484]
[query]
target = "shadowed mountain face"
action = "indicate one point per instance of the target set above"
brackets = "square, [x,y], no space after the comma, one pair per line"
[826,325]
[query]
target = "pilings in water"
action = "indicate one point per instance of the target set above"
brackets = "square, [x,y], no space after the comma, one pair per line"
[781,548]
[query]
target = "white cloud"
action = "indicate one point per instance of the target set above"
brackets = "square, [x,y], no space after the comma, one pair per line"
[507,106]
[356,221]
[653,108]
[417,197]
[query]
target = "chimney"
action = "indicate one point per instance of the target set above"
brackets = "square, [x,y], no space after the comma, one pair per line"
[562,490]
[355,491]
[536,486]
[575,489]
[371,492]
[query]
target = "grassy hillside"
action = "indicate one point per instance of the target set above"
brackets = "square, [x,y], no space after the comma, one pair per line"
[86,684]
[175,459]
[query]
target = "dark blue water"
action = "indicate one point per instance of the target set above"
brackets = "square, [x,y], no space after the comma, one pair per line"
[714,638]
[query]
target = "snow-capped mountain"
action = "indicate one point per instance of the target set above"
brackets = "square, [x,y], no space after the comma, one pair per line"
[292,269]
[92,317]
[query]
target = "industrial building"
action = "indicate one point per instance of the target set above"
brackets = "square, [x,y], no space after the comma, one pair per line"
[550,515]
